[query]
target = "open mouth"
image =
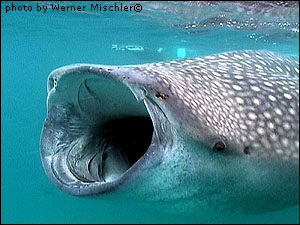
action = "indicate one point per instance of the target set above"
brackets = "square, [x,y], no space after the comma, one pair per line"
[97,134]
[111,149]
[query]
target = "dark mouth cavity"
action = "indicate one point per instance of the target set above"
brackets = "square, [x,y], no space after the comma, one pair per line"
[131,135]
[109,152]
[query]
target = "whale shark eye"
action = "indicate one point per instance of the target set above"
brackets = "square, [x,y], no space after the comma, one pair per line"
[246,150]
[219,146]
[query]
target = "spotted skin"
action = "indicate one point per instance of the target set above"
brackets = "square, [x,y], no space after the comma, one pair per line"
[248,98]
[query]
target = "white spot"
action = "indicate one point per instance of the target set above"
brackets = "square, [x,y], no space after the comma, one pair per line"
[279,69]
[252,116]
[239,77]
[272,70]
[238,56]
[216,74]
[239,100]
[228,102]
[256,101]
[268,115]
[201,111]
[255,88]
[256,145]
[193,103]
[243,126]
[271,125]
[279,151]
[285,88]
[217,83]
[286,126]
[222,69]
[263,73]
[244,63]
[292,83]
[165,82]
[262,62]
[249,123]
[279,58]
[251,137]
[244,139]
[223,56]
[189,60]
[245,54]
[258,66]
[288,96]
[279,82]
[260,57]
[297,70]
[243,115]
[236,87]
[268,84]
[261,131]
[237,115]
[210,77]
[285,142]
[209,57]
[278,111]
[272,98]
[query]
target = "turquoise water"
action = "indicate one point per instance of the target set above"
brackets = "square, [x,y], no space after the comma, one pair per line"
[35,43]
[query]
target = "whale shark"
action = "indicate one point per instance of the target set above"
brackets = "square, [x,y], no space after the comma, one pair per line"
[216,132]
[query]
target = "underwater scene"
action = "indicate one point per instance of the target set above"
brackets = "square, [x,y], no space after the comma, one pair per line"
[150,112]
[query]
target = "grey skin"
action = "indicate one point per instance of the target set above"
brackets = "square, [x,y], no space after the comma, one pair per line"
[225,133]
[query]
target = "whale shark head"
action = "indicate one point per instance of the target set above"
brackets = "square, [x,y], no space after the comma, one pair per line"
[215,132]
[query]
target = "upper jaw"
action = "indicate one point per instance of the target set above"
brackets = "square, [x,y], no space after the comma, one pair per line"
[73,142]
